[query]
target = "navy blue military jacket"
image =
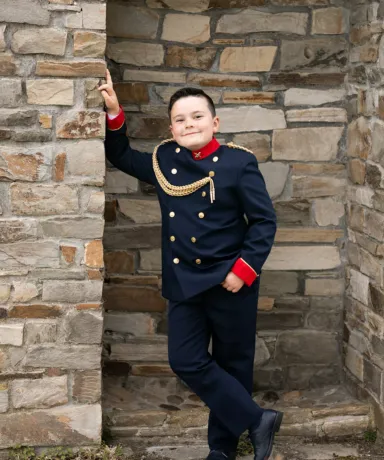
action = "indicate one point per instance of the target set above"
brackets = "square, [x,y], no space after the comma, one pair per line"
[201,241]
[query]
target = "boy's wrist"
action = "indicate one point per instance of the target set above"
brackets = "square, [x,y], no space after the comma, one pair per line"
[113,112]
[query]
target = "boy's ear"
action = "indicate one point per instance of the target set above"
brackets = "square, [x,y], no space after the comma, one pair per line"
[216,124]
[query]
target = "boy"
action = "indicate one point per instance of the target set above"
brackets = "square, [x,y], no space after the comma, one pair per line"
[211,257]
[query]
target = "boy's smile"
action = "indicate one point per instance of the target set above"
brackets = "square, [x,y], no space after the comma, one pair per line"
[192,123]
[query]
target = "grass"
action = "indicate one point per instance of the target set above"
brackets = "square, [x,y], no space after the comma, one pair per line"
[102,452]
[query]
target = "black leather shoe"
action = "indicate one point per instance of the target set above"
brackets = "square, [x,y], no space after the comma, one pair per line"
[220,455]
[262,436]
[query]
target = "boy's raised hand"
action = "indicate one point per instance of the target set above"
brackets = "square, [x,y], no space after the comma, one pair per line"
[232,283]
[109,95]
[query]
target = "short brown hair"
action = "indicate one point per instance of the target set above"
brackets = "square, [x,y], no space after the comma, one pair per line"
[189,91]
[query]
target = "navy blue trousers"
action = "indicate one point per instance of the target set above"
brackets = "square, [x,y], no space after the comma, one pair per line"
[223,379]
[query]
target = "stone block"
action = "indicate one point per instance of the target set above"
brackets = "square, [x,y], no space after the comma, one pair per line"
[24,292]
[24,11]
[132,93]
[313,97]
[3,45]
[260,144]
[307,347]
[231,81]
[186,28]
[154,76]
[247,59]
[93,256]
[133,299]
[78,425]
[39,41]
[241,119]
[303,258]
[193,58]
[150,260]
[372,378]
[300,377]
[179,5]
[15,230]
[50,92]
[279,320]
[292,79]
[357,171]
[374,225]
[293,213]
[80,125]
[148,127]
[306,144]
[140,349]
[278,283]
[95,202]
[78,227]
[68,253]
[359,138]
[5,292]
[89,44]
[4,404]
[43,200]
[376,299]
[40,393]
[71,68]
[313,52]
[327,212]
[10,92]
[119,182]
[11,334]
[86,386]
[308,235]
[317,115]
[312,187]
[359,285]
[58,172]
[20,254]
[275,175]
[64,356]
[245,97]
[93,98]
[85,158]
[140,211]
[143,22]
[253,21]
[342,426]
[324,287]
[133,237]
[72,291]
[119,262]
[330,21]
[94,15]
[137,54]
[83,327]
[325,319]
[40,332]
[135,324]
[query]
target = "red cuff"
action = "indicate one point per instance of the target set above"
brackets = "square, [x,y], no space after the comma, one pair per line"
[116,123]
[244,271]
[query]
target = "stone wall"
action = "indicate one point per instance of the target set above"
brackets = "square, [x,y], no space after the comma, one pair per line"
[277,76]
[51,221]
[364,306]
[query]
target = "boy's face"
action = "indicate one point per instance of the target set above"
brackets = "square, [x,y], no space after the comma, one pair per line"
[192,123]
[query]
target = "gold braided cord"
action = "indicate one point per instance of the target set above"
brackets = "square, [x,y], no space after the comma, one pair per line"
[235,146]
[182,190]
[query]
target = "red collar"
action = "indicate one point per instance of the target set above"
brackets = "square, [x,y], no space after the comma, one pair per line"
[207,150]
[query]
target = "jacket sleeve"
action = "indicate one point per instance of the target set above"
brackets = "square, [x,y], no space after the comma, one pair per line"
[258,208]
[121,155]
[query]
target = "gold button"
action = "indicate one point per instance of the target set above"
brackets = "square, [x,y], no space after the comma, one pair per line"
[172,214]
[177,150]
[174,171]
[201,215]
[204,194]
[215,159]
[176,261]
[198,261]
[193,239]
[172,238]
[211,173]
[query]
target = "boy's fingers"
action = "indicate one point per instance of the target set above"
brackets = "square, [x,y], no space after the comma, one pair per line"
[109,78]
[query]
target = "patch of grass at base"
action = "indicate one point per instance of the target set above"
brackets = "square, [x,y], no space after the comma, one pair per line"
[244,447]
[102,452]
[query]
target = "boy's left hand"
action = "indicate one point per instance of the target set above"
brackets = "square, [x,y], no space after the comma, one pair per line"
[232,283]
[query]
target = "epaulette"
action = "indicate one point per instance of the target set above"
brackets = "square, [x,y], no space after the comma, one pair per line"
[235,146]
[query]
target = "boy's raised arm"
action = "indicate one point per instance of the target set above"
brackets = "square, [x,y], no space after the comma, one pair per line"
[117,147]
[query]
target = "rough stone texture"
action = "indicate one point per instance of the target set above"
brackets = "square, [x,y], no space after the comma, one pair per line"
[11,334]
[193,29]
[243,119]
[307,144]
[302,96]
[144,22]
[86,387]
[39,41]
[48,392]
[65,356]
[142,54]
[70,425]
[303,258]
[328,212]
[275,175]
[89,44]
[250,21]
[81,125]
[323,115]
[194,58]
[71,291]
[24,11]
[94,15]
[50,92]
[247,59]
[258,143]
[86,158]
[330,21]
[71,69]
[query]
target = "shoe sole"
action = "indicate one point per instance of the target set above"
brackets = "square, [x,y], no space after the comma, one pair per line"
[275,429]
